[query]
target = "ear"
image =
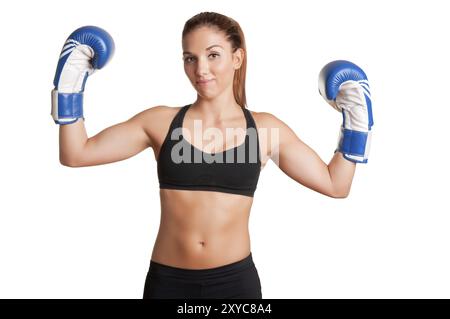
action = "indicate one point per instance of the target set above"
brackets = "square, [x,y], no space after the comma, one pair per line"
[238,57]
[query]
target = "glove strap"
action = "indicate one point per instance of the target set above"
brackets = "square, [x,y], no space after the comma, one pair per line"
[67,108]
[354,145]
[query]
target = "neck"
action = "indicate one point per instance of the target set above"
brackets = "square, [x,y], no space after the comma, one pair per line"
[221,107]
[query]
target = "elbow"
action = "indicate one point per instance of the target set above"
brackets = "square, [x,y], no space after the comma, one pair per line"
[68,162]
[340,194]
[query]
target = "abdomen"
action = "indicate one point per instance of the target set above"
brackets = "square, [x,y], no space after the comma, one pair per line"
[202,229]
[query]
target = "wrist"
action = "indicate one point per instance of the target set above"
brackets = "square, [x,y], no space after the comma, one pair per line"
[354,145]
[67,108]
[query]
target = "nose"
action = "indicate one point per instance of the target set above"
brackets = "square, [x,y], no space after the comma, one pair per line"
[202,67]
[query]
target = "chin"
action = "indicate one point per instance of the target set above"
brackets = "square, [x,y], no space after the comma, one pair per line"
[209,92]
[207,96]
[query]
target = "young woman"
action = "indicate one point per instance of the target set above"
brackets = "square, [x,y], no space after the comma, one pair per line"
[203,246]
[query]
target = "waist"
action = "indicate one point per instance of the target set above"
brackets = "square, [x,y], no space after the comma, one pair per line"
[195,251]
[157,268]
[202,231]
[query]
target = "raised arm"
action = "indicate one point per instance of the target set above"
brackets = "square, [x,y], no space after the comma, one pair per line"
[86,50]
[345,87]
[113,144]
[300,162]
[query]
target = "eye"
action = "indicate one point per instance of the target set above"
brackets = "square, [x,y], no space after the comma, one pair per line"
[188,59]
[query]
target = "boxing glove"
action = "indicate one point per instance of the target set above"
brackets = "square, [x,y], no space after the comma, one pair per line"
[87,49]
[345,87]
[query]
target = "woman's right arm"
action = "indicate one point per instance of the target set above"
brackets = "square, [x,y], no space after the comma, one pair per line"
[115,143]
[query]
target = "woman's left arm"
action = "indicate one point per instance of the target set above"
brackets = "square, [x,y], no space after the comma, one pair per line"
[300,162]
[345,87]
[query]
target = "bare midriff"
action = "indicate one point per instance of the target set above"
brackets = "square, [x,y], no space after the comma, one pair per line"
[202,229]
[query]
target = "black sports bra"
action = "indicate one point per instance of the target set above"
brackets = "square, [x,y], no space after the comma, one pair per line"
[183,166]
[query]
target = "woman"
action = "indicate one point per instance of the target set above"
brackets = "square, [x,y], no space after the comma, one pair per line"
[202,249]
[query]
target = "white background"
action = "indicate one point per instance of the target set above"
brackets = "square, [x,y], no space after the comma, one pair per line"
[89,232]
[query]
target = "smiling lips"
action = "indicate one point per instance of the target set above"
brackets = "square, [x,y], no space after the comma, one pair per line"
[202,82]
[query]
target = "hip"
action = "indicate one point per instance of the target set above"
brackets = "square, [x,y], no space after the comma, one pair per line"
[239,279]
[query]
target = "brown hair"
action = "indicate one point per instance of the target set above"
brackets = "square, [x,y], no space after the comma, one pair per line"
[234,35]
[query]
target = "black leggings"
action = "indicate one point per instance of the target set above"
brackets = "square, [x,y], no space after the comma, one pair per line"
[236,280]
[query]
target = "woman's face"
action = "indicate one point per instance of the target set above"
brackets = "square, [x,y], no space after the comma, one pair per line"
[208,56]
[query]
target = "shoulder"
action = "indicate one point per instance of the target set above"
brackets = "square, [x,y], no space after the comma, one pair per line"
[269,124]
[155,116]
[155,120]
[267,120]
[158,112]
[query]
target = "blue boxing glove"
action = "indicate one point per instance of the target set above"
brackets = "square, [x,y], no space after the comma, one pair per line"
[346,88]
[87,49]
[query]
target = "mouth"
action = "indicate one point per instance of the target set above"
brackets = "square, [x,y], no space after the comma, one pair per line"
[202,82]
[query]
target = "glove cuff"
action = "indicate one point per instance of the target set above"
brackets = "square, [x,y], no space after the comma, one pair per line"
[354,145]
[67,108]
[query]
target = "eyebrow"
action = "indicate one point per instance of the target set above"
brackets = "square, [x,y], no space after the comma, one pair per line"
[208,48]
